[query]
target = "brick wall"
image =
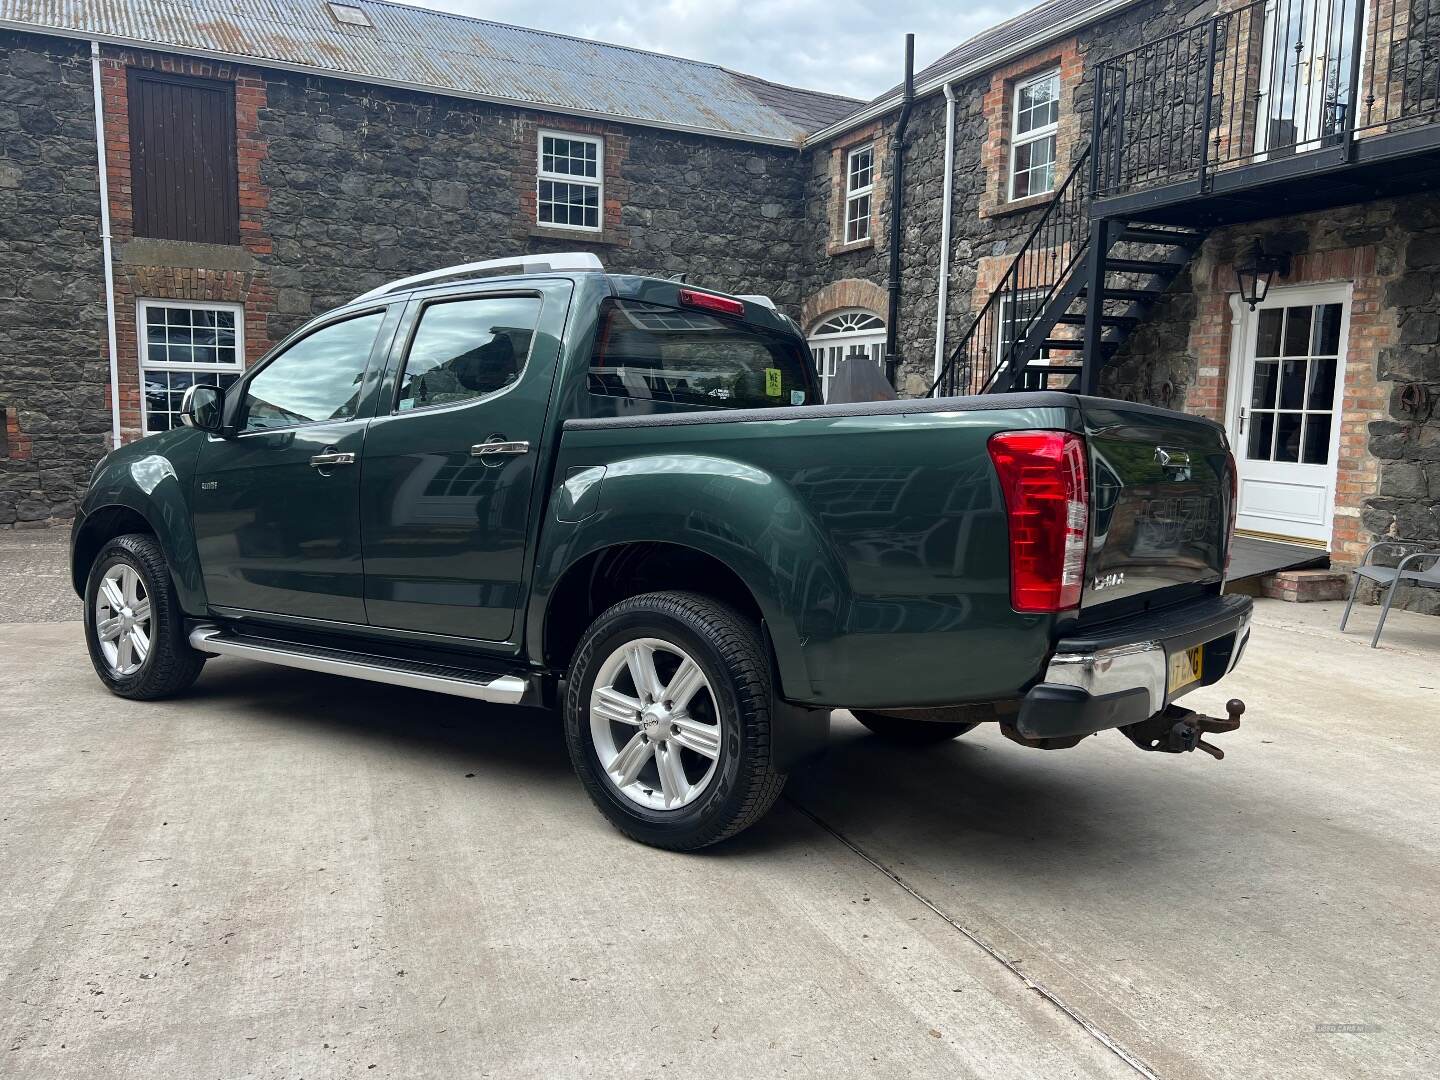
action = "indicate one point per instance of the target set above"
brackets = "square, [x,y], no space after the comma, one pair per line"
[174,270]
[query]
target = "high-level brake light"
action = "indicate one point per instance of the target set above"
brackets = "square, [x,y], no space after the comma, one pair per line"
[723,305]
[1043,478]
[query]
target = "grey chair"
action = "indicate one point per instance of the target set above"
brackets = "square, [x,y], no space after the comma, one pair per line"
[1393,577]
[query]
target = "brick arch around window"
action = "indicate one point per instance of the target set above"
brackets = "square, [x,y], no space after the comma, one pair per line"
[839,295]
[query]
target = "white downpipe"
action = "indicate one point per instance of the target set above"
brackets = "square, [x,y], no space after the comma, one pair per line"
[105,247]
[942,291]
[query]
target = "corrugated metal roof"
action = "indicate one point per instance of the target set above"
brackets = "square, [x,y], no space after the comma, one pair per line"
[998,38]
[454,54]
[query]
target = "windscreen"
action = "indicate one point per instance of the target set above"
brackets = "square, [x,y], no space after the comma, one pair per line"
[654,353]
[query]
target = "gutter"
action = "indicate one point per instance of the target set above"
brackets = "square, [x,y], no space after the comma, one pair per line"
[793,142]
[978,66]
[114,350]
[897,212]
[942,285]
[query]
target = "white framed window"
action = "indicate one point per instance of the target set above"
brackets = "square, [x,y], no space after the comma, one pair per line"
[846,335]
[859,191]
[1035,119]
[183,344]
[570,181]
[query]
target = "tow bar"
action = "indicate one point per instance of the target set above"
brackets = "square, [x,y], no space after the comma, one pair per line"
[1177,731]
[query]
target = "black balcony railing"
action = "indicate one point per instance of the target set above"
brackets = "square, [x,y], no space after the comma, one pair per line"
[1272,79]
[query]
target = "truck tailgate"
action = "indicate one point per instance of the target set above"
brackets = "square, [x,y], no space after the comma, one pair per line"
[1160,500]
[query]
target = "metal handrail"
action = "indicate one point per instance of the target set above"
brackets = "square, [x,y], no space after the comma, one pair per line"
[1256,84]
[1071,195]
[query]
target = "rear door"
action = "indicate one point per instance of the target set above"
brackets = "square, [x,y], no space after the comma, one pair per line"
[1160,498]
[451,459]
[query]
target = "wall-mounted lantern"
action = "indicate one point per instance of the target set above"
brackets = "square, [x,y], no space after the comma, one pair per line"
[1256,270]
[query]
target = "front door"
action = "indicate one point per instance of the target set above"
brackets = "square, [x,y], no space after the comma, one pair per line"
[1285,417]
[451,457]
[276,506]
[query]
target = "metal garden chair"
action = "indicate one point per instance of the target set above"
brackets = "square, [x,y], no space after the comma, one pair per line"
[1393,577]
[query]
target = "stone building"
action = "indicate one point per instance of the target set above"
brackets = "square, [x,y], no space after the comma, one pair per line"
[368,140]
[257,176]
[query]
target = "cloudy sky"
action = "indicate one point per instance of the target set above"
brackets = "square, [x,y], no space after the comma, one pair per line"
[843,46]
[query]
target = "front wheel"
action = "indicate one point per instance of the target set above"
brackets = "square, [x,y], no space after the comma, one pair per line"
[133,623]
[668,720]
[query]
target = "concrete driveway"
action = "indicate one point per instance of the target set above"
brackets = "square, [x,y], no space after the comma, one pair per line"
[295,875]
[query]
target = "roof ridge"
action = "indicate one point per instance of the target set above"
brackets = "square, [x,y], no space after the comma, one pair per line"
[773,82]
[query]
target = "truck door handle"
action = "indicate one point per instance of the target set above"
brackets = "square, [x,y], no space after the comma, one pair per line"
[332,457]
[495,449]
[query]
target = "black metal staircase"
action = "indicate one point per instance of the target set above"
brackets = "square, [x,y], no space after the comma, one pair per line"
[1038,330]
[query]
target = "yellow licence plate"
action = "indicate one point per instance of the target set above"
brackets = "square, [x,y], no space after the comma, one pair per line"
[1185,668]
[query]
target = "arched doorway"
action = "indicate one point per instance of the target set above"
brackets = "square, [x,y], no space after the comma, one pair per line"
[854,332]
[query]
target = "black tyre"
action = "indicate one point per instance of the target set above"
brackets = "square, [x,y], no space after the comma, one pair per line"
[667,717]
[902,729]
[133,623]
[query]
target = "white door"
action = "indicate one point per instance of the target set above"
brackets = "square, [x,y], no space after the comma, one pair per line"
[1304,74]
[1285,413]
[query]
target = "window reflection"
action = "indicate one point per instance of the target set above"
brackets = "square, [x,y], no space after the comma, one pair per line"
[317,378]
[465,349]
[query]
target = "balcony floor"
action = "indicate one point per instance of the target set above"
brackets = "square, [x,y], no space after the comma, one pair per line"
[1398,163]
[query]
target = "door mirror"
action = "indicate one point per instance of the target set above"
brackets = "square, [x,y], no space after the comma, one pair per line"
[201,407]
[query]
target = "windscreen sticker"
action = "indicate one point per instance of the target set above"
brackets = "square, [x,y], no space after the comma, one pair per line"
[772,382]
[797,397]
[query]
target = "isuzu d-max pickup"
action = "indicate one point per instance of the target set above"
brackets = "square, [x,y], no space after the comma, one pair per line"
[537,483]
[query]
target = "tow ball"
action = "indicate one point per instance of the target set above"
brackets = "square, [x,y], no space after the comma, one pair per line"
[1177,731]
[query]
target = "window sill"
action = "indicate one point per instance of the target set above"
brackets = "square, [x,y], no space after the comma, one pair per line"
[603,238]
[1016,206]
[868,244]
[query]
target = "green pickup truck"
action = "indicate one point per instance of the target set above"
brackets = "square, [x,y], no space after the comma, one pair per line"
[532,482]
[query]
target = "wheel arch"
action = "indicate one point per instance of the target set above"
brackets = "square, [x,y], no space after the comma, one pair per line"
[102,524]
[607,575]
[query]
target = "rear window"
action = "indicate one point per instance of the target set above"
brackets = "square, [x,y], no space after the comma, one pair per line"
[654,353]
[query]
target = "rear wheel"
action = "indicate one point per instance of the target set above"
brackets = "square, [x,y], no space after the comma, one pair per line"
[902,729]
[667,717]
[134,627]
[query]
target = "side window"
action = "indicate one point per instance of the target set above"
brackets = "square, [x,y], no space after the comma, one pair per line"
[465,349]
[317,378]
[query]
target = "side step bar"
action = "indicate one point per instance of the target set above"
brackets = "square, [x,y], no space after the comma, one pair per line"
[499,689]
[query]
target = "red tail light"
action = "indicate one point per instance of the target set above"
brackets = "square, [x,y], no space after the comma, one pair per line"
[710,302]
[1043,478]
[1234,508]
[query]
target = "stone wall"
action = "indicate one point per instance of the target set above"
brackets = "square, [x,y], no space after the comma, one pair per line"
[53,372]
[368,184]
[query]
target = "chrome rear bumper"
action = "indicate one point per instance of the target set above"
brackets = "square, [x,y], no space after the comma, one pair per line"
[1108,681]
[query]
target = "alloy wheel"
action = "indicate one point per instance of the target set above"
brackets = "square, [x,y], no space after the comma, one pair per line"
[655,724]
[123,619]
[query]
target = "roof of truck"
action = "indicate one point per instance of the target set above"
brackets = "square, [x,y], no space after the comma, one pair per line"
[421,49]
